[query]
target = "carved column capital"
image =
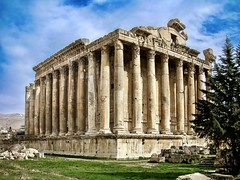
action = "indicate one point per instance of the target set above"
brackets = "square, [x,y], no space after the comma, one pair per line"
[55,73]
[164,58]
[191,70]
[64,70]
[105,49]
[73,66]
[37,82]
[118,45]
[179,63]
[151,54]
[49,77]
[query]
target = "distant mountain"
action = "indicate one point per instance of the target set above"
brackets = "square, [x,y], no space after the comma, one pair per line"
[12,120]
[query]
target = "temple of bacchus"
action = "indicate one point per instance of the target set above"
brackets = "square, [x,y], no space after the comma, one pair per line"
[125,95]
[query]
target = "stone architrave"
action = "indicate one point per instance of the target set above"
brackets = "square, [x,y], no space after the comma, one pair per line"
[48,104]
[81,97]
[31,109]
[105,91]
[151,92]
[137,96]
[118,88]
[165,121]
[55,103]
[191,97]
[91,97]
[180,97]
[42,105]
[63,96]
[36,108]
[71,98]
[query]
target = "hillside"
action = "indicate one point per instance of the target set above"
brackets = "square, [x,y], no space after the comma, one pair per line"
[13,120]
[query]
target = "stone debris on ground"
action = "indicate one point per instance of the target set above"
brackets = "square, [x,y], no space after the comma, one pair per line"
[182,154]
[20,152]
[194,176]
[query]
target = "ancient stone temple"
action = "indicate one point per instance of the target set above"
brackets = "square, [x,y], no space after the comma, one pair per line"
[126,95]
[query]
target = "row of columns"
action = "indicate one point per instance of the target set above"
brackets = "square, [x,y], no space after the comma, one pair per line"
[56,105]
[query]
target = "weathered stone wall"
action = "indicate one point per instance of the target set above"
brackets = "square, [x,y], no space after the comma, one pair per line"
[108,146]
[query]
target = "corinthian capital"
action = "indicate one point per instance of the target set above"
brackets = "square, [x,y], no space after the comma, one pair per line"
[118,45]
[151,54]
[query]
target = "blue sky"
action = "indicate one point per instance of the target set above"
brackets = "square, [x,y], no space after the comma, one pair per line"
[33,30]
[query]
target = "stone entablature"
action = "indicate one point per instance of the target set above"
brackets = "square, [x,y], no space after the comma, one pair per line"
[138,82]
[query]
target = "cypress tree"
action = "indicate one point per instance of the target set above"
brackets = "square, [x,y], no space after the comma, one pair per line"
[218,117]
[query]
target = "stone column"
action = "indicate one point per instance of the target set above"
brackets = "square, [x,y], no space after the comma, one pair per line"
[200,83]
[42,105]
[180,97]
[105,91]
[91,96]
[55,103]
[118,88]
[191,97]
[151,92]
[165,121]
[81,97]
[37,107]
[72,98]
[208,74]
[31,109]
[48,104]
[63,96]
[137,94]
[27,95]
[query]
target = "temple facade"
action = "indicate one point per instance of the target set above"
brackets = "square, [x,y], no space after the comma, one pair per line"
[126,95]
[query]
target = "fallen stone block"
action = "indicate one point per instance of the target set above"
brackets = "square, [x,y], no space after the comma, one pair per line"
[195,176]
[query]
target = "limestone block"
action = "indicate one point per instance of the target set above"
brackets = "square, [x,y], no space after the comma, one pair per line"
[154,158]
[221,176]
[195,176]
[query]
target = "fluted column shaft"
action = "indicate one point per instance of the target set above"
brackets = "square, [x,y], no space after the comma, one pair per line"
[31,109]
[137,96]
[63,100]
[191,97]
[91,96]
[165,121]
[55,103]
[42,105]
[105,91]
[71,98]
[118,88]
[151,92]
[49,104]
[81,97]
[27,95]
[180,97]
[200,83]
[36,108]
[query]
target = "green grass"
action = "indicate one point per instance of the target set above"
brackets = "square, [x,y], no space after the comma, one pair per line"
[73,168]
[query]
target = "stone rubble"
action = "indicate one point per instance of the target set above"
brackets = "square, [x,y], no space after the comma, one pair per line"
[20,152]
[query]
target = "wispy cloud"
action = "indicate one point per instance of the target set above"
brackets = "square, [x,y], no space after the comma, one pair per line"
[32,30]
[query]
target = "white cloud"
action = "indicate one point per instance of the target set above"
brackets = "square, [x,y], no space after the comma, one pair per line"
[53,25]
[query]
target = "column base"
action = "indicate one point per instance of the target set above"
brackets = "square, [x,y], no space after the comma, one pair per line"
[190,132]
[70,133]
[54,134]
[62,134]
[104,131]
[80,132]
[180,132]
[137,131]
[166,132]
[119,130]
[152,131]
[91,132]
